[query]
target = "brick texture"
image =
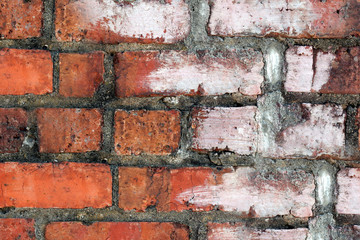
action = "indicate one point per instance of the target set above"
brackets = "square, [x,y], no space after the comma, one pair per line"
[69,130]
[148,132]
[80,74]
[20,19]
[110,21]
[348,181]
[116,231]
[25,71]
[297,19]
[65,185]
[147,73]
[13,124]
[13,228]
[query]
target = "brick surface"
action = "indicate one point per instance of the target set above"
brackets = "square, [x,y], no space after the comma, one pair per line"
[20,19]
[310,70]
[80,74]
[13,228]
[116,231]
[349,232]
[25,71]
[245,190]
[232,129]
[147,73]
[69,130]
[148,132]
[111,21]
[65,185]
[298,19]
[13,123]
[226,231]
[348,198]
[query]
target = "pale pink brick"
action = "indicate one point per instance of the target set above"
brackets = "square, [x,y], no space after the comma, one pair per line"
[299,19]
[226,231]
[244,190]
[320,133]
[232,129]
[110,21]
[149,73]
[348,200]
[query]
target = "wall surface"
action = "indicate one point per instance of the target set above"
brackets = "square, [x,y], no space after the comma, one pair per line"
[179,119]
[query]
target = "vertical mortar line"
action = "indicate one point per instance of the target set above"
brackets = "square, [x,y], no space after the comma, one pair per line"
[108,89]
[108,132]
[351,133]
[56,69]
[48,20]
[40,226]
[115,185]
[33,134]
[185,136]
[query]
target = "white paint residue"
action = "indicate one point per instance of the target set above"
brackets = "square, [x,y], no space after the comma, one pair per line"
[273,65]
[239,193]
[140,19]
[323,68]
[348,200]
[324,187]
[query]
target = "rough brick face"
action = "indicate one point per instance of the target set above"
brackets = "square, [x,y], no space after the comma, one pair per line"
[226,231]
[13,123]
[298,19]
[147,73]
[310,70]
[348,181]
[116,231]
[25,71]
[80,74]
[12,228]
[65,185]
[111,21]
[20,19]
[232,129]
[69,130]
[149,132]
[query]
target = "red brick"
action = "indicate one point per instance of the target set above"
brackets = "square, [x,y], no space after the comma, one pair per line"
[116,231]
[13,228]
[348,198]
[20,19]
[224,231]
[25,71]
[232,129]
[147,73]
[80,74]
[245,190]
[69,130]
[111,21]
[149,132]
[297,19]
[13,123]
[65,185]
[310,70]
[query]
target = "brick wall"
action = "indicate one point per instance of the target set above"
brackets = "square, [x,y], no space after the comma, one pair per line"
[174,119]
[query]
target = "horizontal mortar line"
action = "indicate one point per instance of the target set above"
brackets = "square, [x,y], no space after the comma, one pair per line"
[318,98]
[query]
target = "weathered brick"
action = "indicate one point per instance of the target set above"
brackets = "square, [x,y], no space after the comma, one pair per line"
[298,19]
[116,231]
[245,190]
[25,71]
[149,132]
[349,232]
[348,198]
[17,228]
[47,185]
[69,130]
[232,129]
[20,19]
[318,133]
[13,123]
[226,231]
[147,73]
[111,21]
[80,74]
[310,70]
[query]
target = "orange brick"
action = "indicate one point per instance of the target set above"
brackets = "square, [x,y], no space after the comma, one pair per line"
[25,71]
[80,74]
[116,231]
[69,130]
[13,123]
[149,132]
[65,185]
[13,228]
[20,19]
